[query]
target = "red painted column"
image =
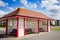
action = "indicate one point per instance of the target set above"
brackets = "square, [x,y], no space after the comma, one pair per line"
[17,27]
[38,26]
[47,25]
[24,26]
[6,26]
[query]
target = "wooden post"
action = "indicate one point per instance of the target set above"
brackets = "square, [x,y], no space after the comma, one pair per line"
[38,26]
[24,27]
[17,27]
[47,25]
[6,26]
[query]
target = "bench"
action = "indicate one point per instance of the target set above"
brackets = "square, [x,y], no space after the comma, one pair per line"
[29,31]
[13,32]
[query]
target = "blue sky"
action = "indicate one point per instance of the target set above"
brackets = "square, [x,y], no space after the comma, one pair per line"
[50,8]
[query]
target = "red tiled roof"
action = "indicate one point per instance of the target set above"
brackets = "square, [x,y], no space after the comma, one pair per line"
[26,12]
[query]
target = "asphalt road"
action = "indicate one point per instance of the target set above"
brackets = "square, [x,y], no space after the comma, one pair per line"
[54,35]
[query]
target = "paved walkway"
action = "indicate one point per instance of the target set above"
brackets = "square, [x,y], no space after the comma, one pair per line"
[2,30]
[55,35]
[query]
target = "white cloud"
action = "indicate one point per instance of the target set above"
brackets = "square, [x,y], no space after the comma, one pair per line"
[28,5]
[22,7]
[31,5]
[51,9]
[2,13]
[11,8]
[3,3]
[24,1]
[47,3]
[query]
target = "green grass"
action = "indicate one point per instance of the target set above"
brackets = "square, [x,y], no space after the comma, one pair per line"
[56,28]
[2,26]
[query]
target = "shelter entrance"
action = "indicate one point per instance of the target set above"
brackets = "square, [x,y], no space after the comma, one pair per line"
[43,25]
[12,27]
[31,26]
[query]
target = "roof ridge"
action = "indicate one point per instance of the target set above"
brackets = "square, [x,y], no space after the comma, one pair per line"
[27,12]
[33,11]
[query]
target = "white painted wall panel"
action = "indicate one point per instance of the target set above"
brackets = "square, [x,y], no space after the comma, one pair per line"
[21,27]
[49,26]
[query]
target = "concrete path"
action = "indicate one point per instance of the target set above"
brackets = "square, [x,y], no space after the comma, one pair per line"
[54,35]
[2,30]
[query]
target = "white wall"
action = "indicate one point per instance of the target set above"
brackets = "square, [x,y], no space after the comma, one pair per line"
[21,27]
[49,26]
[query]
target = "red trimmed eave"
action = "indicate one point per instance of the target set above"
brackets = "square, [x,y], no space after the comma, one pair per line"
[33,17]
[23,16]
[4,18]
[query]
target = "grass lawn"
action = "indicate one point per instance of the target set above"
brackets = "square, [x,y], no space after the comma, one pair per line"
[2,26]
[55,28]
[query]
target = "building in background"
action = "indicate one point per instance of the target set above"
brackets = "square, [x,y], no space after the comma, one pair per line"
[55,23]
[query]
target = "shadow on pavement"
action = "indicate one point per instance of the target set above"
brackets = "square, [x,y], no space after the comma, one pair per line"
[5,36]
